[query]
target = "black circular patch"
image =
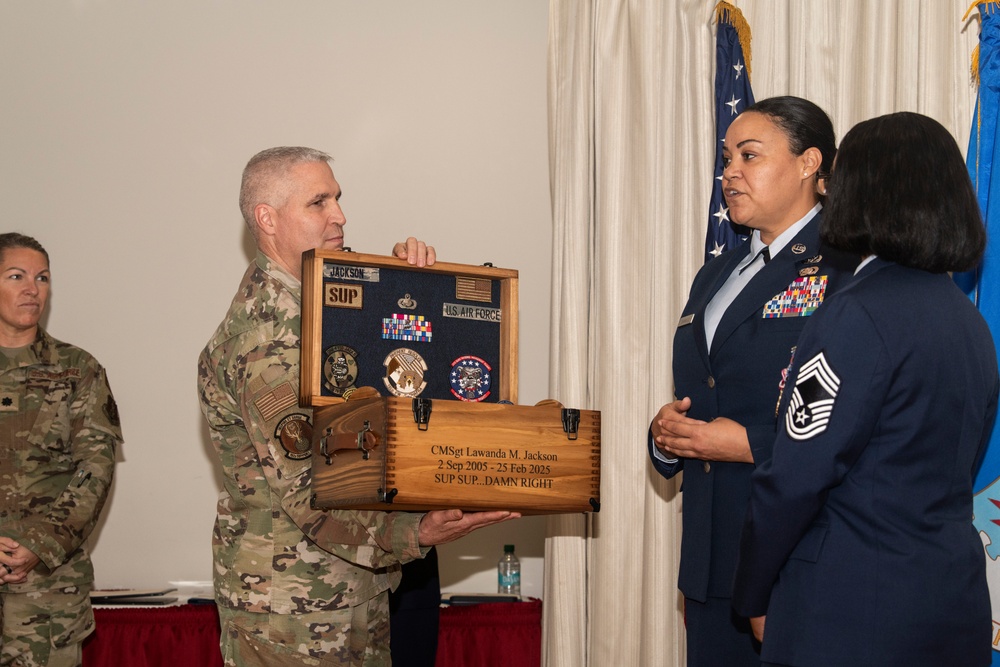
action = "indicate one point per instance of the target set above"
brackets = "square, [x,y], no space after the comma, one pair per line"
[340,369]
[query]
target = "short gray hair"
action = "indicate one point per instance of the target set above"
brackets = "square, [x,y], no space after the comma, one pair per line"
[263,173]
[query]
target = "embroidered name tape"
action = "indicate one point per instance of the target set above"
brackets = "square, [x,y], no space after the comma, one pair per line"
[339,271]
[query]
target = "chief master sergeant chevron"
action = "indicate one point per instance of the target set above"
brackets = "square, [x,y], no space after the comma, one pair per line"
[295,585]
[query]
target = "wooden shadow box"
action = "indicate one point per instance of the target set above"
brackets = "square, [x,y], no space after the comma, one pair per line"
[412,376]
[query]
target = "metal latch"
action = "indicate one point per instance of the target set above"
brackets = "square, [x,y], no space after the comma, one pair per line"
[365,440]
[421,412]
[571,422]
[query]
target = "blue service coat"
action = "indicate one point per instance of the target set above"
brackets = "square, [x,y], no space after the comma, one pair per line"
[859,544]
[738,378]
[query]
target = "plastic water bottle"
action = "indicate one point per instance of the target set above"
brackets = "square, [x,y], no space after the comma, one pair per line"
[509,572]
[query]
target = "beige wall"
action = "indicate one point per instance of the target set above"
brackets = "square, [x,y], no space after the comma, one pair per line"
[125,128]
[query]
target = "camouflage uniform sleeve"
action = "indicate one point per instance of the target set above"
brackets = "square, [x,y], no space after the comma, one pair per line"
[58,529]
[268,398]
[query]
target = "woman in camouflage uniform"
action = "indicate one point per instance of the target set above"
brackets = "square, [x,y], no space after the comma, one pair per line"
[59,429]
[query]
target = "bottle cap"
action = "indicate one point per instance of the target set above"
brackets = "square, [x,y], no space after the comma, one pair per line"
[508,548]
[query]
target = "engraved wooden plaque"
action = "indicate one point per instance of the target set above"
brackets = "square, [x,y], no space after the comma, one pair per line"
[381,453]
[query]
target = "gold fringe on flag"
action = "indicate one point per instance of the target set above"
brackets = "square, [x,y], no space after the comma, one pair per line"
[984,7]
[987,6]
[727,13]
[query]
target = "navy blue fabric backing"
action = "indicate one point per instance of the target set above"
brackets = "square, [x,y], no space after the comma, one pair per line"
[451,338]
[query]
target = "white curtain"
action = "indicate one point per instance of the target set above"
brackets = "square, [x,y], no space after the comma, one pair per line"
[631,152]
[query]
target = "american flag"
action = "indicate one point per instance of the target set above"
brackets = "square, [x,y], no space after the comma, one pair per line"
[732,96]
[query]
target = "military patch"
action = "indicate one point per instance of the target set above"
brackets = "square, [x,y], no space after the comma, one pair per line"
[812,399]
[281,397]
[406,327]
[339,271]
[340,369]
[473,289]
[407,303]
[9,402]
[110,409]
[470,378]
[801,298]
[294,432]
[798,248]
[479,313]
[342,295]
[404,372]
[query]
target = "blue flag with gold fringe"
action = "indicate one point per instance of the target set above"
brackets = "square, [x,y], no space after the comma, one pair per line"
[983,284]
[732,95]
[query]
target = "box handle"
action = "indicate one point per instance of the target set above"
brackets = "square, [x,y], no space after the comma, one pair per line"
[365,440]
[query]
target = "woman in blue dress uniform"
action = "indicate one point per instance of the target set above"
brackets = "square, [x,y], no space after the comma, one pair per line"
[734,341]
[858,544]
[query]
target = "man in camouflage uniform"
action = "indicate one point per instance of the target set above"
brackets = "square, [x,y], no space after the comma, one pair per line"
[295,585]
[59,430]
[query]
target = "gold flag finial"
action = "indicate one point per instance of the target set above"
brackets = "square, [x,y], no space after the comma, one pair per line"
[727,13]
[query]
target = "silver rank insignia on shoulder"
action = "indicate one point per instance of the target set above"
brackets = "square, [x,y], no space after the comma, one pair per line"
[813,397]
[340,369]
[9,402]
[685,320]
[404,372]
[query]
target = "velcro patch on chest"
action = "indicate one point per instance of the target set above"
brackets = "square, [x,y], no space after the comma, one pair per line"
[9,402]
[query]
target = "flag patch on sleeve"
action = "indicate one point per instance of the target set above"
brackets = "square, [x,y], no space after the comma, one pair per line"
[812,399]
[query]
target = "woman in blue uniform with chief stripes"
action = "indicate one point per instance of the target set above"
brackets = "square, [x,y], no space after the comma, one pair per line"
[858,546]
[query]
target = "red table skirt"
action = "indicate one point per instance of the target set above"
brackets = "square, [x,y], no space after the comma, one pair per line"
[502,634]
[155,637]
